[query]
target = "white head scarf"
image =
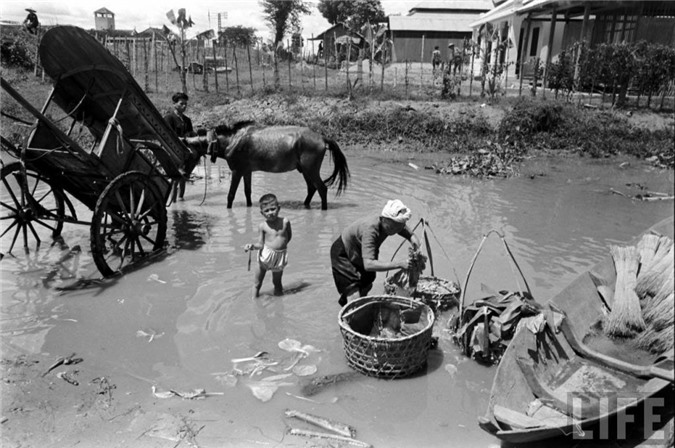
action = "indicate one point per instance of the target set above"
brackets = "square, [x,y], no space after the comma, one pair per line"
[397,211]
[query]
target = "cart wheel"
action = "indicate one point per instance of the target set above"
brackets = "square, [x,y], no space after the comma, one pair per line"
[30,207]
[129,222]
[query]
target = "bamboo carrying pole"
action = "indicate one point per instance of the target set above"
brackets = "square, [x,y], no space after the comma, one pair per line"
[473,262]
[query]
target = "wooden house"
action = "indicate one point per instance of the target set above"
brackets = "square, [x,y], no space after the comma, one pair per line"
[433,23]
[328,40]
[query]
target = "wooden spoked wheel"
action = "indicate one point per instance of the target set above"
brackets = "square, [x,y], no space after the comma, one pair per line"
[129,223]
[31,208]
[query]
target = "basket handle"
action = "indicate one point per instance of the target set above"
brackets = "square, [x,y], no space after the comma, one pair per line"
[428,246]
[473,262]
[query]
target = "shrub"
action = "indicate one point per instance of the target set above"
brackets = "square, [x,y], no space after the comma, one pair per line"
[18,50]
[529,117]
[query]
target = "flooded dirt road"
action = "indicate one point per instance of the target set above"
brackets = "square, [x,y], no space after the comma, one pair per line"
[176,324]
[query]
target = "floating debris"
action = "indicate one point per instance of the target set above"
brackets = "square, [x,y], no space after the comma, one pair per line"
[305,370]
[647,196]
[498,161]
[259,355]
[264,389]
[64,360]
[319,383]
[155,278]
[151,335]
[191,395]
[331,425]
[68,377]
[291,345]
[325,435]
[226,379]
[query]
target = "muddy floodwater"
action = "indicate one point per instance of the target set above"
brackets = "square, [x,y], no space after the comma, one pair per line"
[176,324]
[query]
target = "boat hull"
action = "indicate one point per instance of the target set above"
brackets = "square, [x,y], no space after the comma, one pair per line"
[546,387]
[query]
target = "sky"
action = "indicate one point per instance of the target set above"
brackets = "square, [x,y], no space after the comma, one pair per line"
[141,14]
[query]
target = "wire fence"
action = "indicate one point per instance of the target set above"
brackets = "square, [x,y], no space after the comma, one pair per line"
[633,75]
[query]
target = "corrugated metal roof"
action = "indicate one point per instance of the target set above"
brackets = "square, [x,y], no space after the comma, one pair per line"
[484,5]
[530,5]
[449,22]
[506,9]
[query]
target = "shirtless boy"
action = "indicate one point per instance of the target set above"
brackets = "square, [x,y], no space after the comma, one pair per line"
[273,237]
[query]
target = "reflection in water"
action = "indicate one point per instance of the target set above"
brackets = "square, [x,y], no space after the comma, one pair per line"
[557,226]
[190,230]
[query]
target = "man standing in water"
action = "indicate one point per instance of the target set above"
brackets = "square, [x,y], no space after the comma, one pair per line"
[182,125]
[354,254]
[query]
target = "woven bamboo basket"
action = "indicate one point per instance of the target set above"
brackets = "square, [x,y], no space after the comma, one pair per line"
[386,357]
[438,293]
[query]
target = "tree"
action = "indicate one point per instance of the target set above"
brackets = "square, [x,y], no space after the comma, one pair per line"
[352,13]
[238,36]
[281,16]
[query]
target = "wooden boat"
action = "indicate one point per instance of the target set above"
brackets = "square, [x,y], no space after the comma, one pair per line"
[552,383]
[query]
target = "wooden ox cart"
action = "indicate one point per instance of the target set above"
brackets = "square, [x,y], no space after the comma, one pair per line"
[109,148]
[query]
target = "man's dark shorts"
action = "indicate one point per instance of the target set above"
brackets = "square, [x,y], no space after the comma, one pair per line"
[348,277]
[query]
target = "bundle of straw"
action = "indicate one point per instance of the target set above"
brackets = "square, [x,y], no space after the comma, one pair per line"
[647,247]
[653,275]
[657,341]
[626,316]
[660,306]
[655,285]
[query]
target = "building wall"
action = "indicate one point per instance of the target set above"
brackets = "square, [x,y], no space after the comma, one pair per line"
[104,22]
[416,46]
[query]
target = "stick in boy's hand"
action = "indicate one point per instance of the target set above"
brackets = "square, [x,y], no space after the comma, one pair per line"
[248,248]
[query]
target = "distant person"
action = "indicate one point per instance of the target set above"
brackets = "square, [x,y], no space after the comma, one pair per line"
[31,24]
[182,125]
[436,58]
[319,53]
[452,60]
[274,234]
[355,253]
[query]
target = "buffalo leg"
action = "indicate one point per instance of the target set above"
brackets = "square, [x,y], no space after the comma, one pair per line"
[247,189]
[311,189]
[315,183]
[234,184]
